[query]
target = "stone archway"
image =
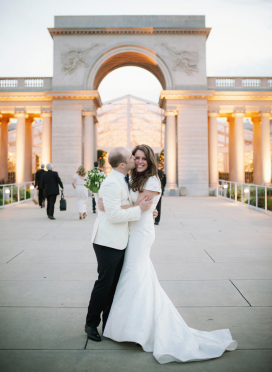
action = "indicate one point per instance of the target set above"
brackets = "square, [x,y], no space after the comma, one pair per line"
[172,48]
[128,55]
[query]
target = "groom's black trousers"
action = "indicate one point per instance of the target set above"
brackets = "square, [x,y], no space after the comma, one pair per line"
[110,262]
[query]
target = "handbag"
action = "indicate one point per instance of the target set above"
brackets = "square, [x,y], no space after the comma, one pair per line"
[62,202]
[35,198]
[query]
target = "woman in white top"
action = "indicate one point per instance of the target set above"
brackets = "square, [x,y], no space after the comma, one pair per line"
[81,191]
[141,311]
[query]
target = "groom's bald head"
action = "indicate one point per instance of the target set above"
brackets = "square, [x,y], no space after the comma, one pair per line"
[118,155]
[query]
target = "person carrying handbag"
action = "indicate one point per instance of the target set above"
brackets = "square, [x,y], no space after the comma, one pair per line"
[50,185]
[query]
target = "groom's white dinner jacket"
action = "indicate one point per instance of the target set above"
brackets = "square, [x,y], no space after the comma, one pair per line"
[111,227]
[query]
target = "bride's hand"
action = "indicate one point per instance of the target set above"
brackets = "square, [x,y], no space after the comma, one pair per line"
[155,213]
[101,205]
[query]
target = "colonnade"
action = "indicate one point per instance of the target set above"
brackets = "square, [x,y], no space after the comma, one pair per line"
[24,143]
[261,147]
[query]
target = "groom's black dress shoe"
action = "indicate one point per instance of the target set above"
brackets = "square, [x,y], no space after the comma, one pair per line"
[92,333]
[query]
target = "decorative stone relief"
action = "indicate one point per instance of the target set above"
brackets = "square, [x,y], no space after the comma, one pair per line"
[187,61]
[73,59]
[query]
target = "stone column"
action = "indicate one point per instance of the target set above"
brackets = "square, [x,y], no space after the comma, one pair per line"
[257,160]
[265,147]
[4,149]
[239,146]
[213,150]
[165,144]
[46,137]
[171,188]
[95,141]
[231,149]
[88,140]
[28,149]
[20,146]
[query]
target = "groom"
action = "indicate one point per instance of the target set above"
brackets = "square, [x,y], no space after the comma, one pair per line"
[110,237]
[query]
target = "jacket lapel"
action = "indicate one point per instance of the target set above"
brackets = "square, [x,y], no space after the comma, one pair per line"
[122,181]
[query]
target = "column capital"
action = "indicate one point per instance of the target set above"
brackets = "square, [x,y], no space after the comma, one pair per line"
[255,119]
[20,112]
[88,110]
[239,112]
[170,113]
[213,111]
[265,111]
[88,113]
[45,113]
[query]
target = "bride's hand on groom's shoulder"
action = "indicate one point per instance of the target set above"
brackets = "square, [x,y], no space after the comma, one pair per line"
[101,205]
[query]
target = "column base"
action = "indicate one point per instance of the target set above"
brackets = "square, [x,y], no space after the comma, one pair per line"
[171,190]
[213,189]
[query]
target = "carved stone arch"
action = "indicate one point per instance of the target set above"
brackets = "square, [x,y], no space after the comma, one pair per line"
[128,55]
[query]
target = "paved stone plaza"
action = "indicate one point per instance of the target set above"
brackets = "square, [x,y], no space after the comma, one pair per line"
[212,257]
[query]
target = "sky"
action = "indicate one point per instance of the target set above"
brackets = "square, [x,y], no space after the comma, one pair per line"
[240,43]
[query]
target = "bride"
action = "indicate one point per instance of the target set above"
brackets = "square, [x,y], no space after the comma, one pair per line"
[141,311]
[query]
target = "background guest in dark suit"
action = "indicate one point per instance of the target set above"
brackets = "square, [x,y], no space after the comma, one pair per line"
[96,163]
[38,184]
[162,178]
[50,184]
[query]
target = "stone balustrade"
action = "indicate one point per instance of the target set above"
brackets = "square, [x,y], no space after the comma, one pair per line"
[25,84]
[240,83]
[216,83]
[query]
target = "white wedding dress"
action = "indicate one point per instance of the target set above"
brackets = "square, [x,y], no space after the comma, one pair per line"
[81,194]
[142,312]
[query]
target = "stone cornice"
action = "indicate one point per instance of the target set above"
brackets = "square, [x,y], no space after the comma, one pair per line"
[129,30]
[79,94]
[241,96]
[212,95]
[24,96]
[185,94]
[51,95]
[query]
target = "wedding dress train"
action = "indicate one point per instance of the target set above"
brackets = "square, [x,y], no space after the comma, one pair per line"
[142,312]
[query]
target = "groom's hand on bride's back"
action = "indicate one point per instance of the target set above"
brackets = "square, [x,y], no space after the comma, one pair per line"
[145,204]
[155,213]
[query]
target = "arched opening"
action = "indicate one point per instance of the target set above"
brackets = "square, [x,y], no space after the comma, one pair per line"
[131,80]
[128,55]
[129,119]
[129,59]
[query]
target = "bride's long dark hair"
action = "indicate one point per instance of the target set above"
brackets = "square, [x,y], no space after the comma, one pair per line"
[138,179]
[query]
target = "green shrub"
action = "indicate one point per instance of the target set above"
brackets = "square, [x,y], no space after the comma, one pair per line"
[261,191]
[28,193]
[22,194]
